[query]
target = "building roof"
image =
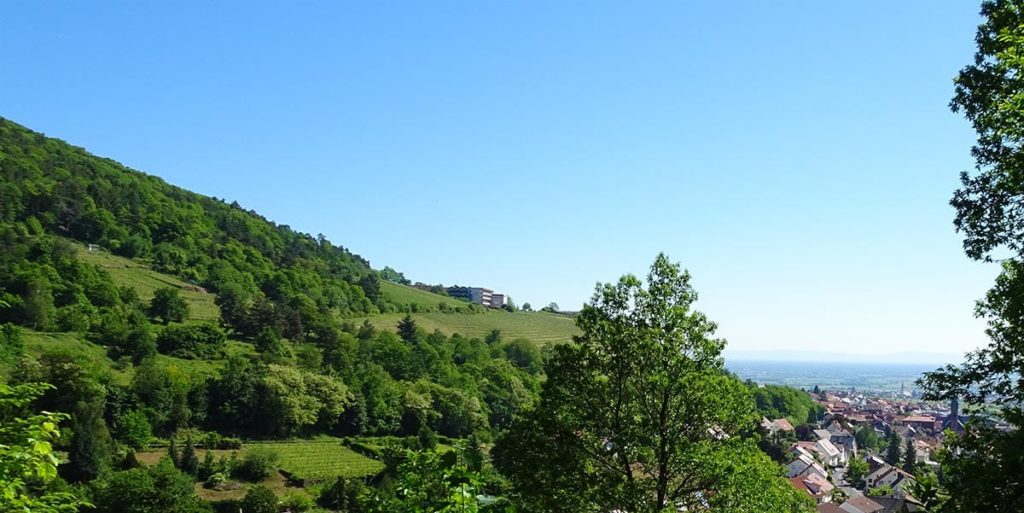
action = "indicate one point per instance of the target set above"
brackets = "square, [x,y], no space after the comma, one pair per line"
[919,418]
[828,507]
[864,504]
[782,425]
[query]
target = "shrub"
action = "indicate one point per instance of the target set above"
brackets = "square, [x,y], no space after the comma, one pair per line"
[257,465]
[203,341]
[297,502]
[259,499]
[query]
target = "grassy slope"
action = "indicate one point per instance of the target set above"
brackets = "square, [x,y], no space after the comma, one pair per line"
[537,326]
[37,343]
[404,294]
[145,281]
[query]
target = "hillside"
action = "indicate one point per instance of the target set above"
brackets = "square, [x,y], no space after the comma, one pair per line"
[540,327]
[145,281]
[456,316]
[162,315]
[422,300]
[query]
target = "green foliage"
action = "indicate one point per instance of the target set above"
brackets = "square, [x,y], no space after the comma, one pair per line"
[345,496]
[981,468]
[429,481]
[856,471]
[167,306]
[777,402]
[263,274]
[407,330]
[893,454]
[910,456]
[91,446]
[640,415]
[12,346]
[189,462]
[258,464]
[394,276]
[202,341]
[297,502]
[867,438]
[259,499]
[976,467]
[925,488]
[28,464]
[133,429]
[158,489]
[880,491]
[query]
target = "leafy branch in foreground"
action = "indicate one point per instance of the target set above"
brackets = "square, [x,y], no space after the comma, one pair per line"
[27,460]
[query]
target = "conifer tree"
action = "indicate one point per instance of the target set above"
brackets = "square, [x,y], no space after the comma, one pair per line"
[910,456]
[892,451]
[172,451]
[189,460]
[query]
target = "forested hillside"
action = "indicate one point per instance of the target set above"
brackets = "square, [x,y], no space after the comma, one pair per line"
[201,357]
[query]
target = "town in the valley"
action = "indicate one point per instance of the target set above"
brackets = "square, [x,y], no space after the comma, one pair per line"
[863,454]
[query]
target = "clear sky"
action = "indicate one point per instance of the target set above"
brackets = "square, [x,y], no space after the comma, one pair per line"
[796,157]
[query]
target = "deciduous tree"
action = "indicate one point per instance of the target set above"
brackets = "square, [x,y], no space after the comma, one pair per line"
[639,414]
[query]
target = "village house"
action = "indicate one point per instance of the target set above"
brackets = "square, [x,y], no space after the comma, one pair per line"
[888,475]
[814,485]
[804,464]
[861,504]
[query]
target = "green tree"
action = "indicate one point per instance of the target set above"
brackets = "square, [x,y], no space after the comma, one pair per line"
[158,489]
[344,496]
[91,445]
[259,499]
[189,460]
[173,453]
[925,488]
[893,454]
[867,438]
[989,92]
[167,305]
[640,415]
[910,456]
[407,330]
[28,463]
[133,429]
[856,471]
[38,303]
[208,467]
[257,464]
[429,481]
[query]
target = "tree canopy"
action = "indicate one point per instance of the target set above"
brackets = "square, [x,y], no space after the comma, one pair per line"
[981,468]
[639,414]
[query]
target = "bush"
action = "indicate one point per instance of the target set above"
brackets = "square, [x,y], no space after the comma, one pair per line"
[133,429]
[203,341]
[257,465]
[217,441]
[216,479]
[297,502]
[259,499]
[167,306]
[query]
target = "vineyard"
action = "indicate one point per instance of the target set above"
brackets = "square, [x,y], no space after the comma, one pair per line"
[318,460]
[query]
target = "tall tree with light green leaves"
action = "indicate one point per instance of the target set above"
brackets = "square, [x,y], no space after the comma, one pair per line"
[982,468]
[640,415]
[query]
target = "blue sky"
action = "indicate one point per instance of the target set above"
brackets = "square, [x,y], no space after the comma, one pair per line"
[798,159]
